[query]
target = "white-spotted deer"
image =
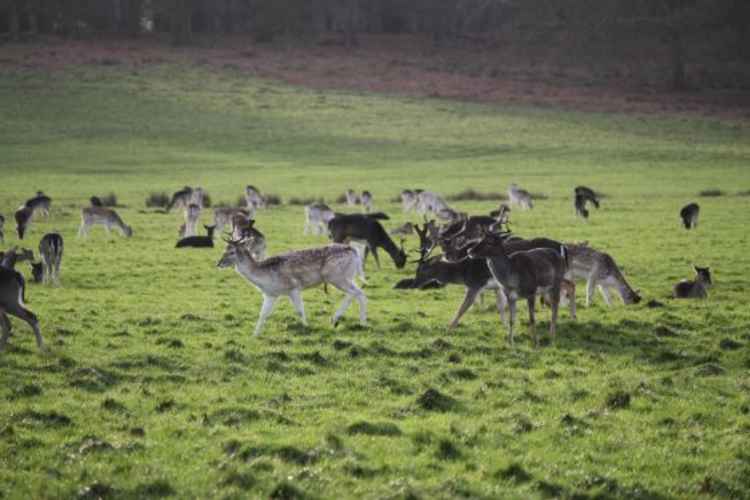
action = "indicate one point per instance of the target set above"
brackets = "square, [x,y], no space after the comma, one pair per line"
[290,273]
[599,270]
[107,217]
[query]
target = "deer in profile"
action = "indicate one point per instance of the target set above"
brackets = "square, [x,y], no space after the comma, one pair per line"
[520,197]
[103,216]
[206,241]
[689,215]
[600,270]
[365,228]
[694,289]
[317,216]
[51,253]
[524,274]
[582,196]
[223,216]
[12,298]
[290,273]
[181,198]
[254,199]
[23,219]
[40,203]
[244,230]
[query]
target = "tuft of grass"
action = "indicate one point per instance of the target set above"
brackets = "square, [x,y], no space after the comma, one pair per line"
[158,200]
[374,429]
[711,192]
[470,194]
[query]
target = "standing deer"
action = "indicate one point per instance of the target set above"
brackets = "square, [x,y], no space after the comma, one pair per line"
[106,217]
[254,199]
[582,196]
[290,273]
[192,214]
[181,198]
[23,219]
[223,216]
[695,289]
[689,215]
[523,275]
[40,203]
[317,216]
[520,197]
[599,270]
[51,252]
[366,229]
[12,297]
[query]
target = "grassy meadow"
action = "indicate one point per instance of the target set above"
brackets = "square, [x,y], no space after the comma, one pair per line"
[154,387]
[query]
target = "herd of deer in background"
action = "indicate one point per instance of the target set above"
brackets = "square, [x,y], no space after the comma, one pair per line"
[479,252]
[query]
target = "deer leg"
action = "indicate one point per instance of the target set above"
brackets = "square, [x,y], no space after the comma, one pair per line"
[352,291]
[296,297]
[265,311]
[572,300]
[512,307]
[555,306]
[5,326]
[375,256]
[604,289]
[502,303]
[531,301]
[82,230]
[30,318]
[469,298]
[590,290]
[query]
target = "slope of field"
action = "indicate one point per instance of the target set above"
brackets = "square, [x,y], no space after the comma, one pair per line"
[154,386]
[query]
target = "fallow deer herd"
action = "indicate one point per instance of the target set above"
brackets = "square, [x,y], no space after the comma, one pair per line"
[478,251]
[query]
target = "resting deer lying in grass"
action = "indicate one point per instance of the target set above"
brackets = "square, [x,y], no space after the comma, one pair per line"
[106,217]
[689,215]
[367,229]
[523,275]
[520,197]
[695,289]
[598,269]
[290,273]
[317,217]
[206,241]
[12,296]
[51,252]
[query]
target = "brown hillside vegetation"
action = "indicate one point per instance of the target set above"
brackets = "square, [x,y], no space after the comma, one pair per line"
[402,65]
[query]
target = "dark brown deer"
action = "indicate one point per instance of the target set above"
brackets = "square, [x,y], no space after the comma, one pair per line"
[198,241]
[12,297]
[23,219]
[689,215]
[695,289]
[366,228]
[524,274]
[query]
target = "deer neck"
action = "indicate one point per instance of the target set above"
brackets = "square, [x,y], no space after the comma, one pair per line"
[502,269]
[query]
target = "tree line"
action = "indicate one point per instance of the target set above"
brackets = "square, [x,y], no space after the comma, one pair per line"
[687,29]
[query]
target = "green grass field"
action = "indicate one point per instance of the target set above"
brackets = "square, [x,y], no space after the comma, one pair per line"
[154,386]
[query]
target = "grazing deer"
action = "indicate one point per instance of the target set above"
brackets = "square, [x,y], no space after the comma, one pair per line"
[192,214]
[23,219]
[254,199]
[40,203]
[474,274]
[106,217]
[523,275]
[689,215]
[352,198]
[598,269]
[223,216]
[12,257]
[520,197]
[12,297]
[198,241]
[429,202]
[695,289]
[317,216]
[582,196]
[244,230]
[366,229]
[181,198]
[51,252]
[2,224]
[409,200]
[366,200]
[290,273]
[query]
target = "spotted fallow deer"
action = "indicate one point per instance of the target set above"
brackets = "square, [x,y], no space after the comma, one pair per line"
[107,217]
